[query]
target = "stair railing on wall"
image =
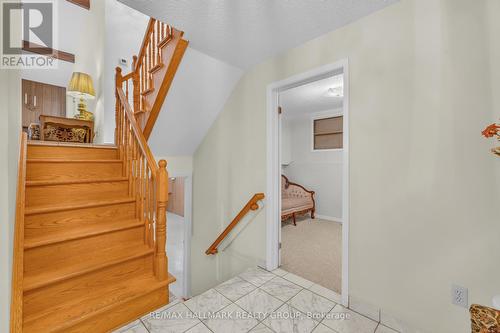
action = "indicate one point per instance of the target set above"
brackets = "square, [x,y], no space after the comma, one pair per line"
[148,182]
[252,204]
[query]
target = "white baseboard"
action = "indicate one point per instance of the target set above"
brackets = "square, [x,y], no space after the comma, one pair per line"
[328,218]
[380,315]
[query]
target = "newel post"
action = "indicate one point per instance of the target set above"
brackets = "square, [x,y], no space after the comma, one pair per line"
[161,221]
[118,84]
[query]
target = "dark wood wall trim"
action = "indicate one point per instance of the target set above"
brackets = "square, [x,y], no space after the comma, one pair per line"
[39,49]
[82,3]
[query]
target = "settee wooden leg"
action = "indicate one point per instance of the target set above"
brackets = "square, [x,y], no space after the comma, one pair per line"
[294,222]
[312,214]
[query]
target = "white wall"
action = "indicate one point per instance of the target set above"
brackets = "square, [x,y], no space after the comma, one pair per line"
[424,77]
[178,166]
[81,32]
[200,88]
[125,28]
[319,171]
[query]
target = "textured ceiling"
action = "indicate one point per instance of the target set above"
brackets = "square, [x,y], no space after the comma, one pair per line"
[310,98]
[246,32]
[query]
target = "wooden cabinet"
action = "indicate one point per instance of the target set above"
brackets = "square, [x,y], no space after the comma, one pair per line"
[42,99]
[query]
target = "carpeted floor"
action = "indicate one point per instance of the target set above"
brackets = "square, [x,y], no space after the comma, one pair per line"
[313,250]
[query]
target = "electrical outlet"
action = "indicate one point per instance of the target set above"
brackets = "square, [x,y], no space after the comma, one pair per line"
[123,62]
[460,296]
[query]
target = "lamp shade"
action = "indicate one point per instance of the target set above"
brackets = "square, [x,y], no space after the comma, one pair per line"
[81,85]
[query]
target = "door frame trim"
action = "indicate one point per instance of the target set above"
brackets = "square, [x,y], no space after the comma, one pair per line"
[273,194]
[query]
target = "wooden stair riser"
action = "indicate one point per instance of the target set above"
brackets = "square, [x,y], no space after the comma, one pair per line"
[54,194]
[59,222]
[125,313]
[103,281]
[78,311]
[72,170]
[61,152]
[91,250]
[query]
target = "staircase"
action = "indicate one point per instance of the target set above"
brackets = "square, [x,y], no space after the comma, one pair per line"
[154,69]
[90,233]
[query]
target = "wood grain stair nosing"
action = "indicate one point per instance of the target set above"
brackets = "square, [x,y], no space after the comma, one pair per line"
[142,253]
[74,206]
[165,41]
[75,321]
[156,68]
[147,91]
[30,183]
[36,143]
[34,244]
[58,160]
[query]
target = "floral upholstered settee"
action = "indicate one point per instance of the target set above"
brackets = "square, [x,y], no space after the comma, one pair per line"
[295,200]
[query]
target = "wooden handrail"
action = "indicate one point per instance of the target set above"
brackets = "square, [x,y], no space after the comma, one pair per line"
[252,204]
[16,311]
[143,145]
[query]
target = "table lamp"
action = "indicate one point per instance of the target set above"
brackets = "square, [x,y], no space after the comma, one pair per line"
[81,87]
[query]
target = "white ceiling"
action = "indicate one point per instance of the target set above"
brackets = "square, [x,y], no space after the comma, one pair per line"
[310,98]
[246,32]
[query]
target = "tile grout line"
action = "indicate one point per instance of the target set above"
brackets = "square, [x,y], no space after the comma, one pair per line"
[144,325]
[336,303]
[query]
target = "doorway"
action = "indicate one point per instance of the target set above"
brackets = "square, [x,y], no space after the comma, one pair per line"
[308,155]
[179,233]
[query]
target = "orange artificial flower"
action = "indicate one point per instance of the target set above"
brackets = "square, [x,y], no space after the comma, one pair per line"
[491,131]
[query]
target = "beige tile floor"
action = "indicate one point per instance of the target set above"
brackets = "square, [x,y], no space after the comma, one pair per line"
[258,301]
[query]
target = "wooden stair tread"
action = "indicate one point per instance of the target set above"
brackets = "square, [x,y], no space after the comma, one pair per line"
[112,256]
[59,160]
[81,232]
[165,41]
[147,91]
[156,68]
[74,181]
[73,206]
[93,303]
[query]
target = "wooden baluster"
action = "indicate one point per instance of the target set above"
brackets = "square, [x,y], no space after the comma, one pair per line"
[141,198]
[143,76]
[131,178]
[136,88]
[151,207]
[127,148]
[118,80]
[150,77]
[146,202]
[161,220]
[126,89]
[155,47]
[158,40]
[146,68]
